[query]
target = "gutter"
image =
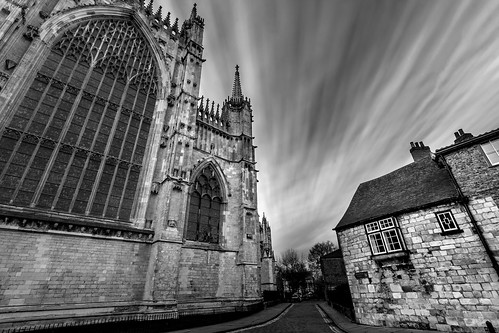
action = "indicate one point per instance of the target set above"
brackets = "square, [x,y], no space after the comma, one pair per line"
[398,212]
[469,142]
[464,200]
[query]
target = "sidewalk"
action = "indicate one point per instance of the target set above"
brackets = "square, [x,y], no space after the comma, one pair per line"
[251,320]
[346,324]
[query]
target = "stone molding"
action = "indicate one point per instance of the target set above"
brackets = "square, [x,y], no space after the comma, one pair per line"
[80,229]
[25,319]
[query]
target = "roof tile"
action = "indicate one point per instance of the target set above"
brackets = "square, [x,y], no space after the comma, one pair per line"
[411,187]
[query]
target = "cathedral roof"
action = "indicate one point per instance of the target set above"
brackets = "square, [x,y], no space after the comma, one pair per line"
[414,186]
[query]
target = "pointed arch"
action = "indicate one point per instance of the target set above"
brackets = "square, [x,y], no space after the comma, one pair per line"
[224,185]
[83,123]
[206,203]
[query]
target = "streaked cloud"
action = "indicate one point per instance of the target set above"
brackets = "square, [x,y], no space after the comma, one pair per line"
[339,89]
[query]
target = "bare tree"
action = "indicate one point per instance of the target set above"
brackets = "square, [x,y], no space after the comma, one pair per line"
[316,252]
[292,269]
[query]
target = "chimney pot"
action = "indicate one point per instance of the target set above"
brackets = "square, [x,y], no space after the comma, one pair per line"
[461,136]
[419,151]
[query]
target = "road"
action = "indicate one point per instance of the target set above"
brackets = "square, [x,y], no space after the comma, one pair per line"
[305,317]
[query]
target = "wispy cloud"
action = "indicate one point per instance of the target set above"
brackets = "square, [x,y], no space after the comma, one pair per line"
[340,88]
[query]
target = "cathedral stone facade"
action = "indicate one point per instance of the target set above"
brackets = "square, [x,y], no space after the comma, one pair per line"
[123,194]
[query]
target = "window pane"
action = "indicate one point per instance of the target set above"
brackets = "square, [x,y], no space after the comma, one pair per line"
[386,223]
[373,226]
[377,243]
[487,148]
[495,144]
[493,158]
[392,240]
[447,221]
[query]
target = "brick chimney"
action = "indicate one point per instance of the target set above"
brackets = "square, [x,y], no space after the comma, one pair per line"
[462,136]
[419,151]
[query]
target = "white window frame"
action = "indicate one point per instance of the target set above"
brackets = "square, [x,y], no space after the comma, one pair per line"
[381,235]
[491,148]
[441,216]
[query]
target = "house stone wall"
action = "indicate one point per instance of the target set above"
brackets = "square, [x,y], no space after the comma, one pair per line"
[485,211]
[472,172]
[446,283]
[480,184]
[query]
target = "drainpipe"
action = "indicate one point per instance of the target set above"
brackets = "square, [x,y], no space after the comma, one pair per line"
[464,200]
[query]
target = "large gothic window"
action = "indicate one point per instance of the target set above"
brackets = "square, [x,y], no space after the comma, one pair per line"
[203,224]
[77,140]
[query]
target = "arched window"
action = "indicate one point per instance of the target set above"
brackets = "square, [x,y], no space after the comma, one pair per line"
[77,140]
[203,223]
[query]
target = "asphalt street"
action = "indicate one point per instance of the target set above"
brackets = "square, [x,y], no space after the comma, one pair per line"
[305,317]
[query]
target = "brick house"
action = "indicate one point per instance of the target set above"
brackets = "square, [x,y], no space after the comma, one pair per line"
[420,243]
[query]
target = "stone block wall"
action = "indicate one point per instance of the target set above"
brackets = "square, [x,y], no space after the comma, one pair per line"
[59,269]
[445,283]
[267,269]
[198,274]
[471,169]
[486,212]
[208,274]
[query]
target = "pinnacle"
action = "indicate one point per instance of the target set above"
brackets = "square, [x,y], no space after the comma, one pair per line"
[237,94]
[194,12]
[166,21]
[175,26]
[149,8]
[159,14]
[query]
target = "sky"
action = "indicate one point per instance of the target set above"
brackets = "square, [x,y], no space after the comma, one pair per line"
[339,88]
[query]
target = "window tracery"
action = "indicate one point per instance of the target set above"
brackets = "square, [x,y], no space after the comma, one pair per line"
[77,141]
[203,223]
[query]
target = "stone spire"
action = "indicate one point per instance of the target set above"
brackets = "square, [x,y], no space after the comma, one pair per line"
[194,12]
[237,95]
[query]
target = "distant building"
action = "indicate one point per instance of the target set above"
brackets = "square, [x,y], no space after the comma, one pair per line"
[421,243]
[124,195]
[336,290]
[333,270]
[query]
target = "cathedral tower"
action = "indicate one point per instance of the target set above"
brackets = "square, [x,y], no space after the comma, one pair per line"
[123,194]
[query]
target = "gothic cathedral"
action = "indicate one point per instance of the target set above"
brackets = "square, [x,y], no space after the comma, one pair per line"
[123,194]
